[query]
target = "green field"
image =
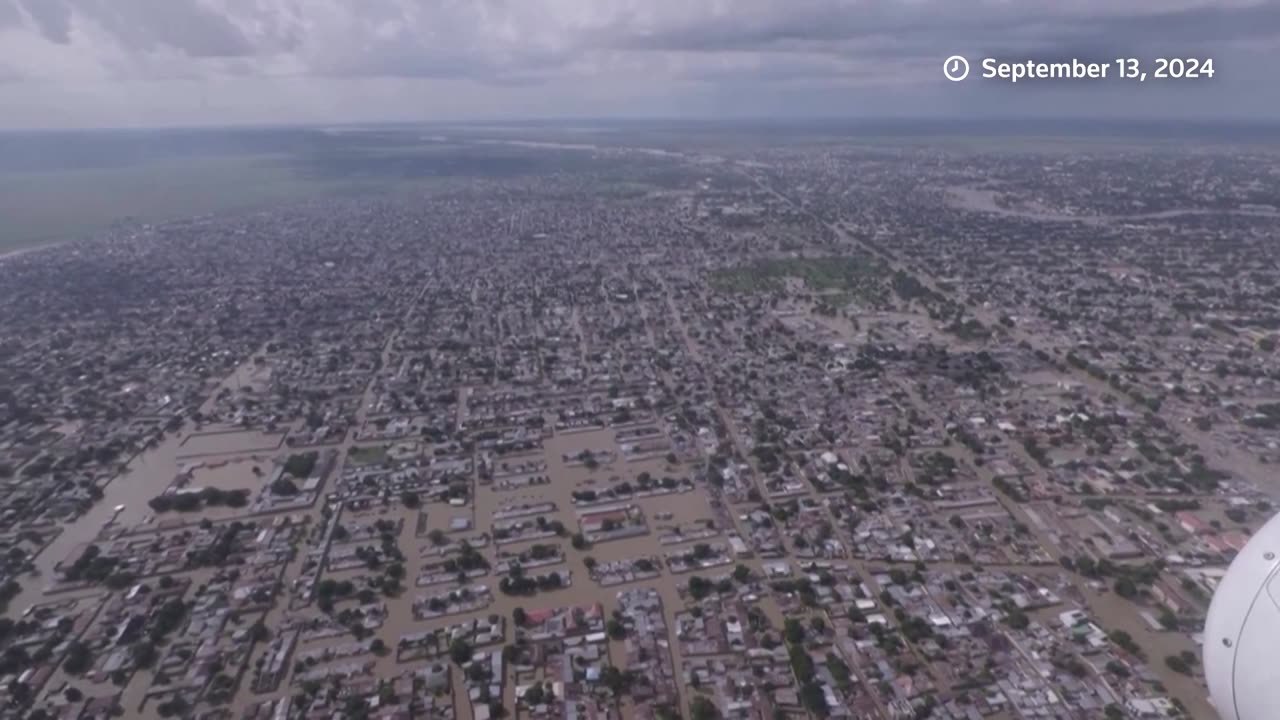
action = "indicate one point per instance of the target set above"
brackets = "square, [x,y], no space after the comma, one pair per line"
[853,275]
[369,455]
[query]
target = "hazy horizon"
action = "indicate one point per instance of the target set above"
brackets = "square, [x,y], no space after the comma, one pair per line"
[174,63]
[961,124]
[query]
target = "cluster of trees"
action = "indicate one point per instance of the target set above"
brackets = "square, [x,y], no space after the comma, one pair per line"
[300,465]
[517,583]
[1036,452]
[468,559]
[554,526]
[93,566]
[1183,663]
[8,591]
[801,586]
[587,458]
[703,709]
[1129,579]
[329,589]
[618,681]
[173,707]
[542,552]
[460,651]
[1125,641]
[811,694]
[166,619]
[78,659]
[700,587]
[537,694]
[207,497]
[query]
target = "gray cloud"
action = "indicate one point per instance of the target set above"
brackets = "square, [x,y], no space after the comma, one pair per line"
[143,25]
[1178,28]
[604,55]
[9,14]
[885,28]
[52,17]
[184,25]
[409,57]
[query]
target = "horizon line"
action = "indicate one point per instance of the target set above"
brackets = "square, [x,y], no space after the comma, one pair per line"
[1241,121]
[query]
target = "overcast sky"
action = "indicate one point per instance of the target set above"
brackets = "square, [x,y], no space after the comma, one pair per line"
[96,63]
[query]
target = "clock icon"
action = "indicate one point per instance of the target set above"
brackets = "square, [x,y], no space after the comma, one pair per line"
[956,68]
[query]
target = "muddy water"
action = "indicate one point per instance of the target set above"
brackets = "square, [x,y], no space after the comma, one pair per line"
[1109,610]
[236,441]
[1116,613]
[150,473]
[146,476]
[683,509]
[231,475]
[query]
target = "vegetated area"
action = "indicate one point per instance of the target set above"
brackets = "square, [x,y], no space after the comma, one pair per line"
[368,455]
[860,276]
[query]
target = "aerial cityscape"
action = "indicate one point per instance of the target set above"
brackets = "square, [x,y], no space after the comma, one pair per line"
[709,423]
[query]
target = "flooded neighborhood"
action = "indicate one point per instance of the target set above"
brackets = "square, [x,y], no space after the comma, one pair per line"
[598,432]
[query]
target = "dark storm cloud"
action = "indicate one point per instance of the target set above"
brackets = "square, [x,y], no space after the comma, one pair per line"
[9,15]
[472,39]
[1199,31]
[52,18]
[1199,25]
[142,25]
[619,56]
[414,59]
[181,24]
[888,30]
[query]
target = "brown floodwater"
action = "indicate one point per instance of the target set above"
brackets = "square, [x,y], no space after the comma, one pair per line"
[146,476]
[675,509]
[218,442]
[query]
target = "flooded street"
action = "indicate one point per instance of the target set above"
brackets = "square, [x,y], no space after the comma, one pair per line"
[575,426]
[146,476]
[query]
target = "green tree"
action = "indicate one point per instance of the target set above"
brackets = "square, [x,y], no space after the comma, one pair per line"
[460,652]
[699,587]
[703,709]
[1126,588]
[813,698]
[145,654]
[793,631]
[78,659]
